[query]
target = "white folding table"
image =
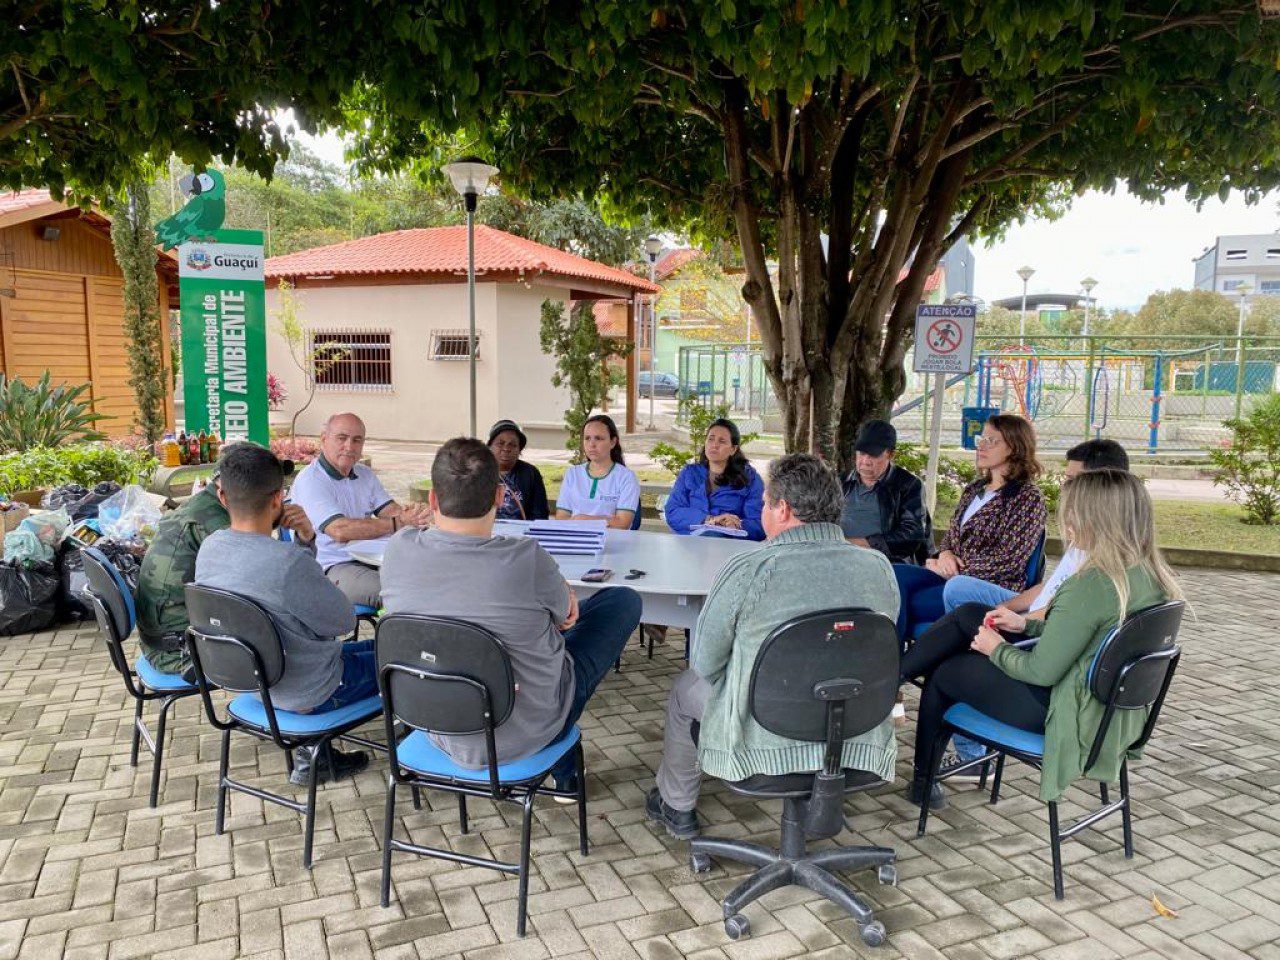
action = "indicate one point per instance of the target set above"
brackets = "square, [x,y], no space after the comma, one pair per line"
[678,571]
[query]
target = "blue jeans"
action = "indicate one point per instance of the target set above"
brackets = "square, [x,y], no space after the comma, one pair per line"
[964,589]
[606,621]
[359,677]
[920,592]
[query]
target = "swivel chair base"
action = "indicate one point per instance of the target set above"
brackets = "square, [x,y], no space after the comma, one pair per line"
[794,865]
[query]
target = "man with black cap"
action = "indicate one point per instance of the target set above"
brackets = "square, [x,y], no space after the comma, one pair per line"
[524,493]
[883,503]
[170,564]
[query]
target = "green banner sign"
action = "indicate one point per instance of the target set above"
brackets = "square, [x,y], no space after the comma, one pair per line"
[224,335]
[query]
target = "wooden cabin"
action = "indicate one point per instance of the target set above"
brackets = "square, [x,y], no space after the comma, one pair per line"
[62,306]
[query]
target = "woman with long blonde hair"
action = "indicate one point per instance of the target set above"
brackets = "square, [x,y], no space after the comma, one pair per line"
[1107,514]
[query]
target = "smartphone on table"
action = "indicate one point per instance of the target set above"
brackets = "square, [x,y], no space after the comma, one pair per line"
[597,575]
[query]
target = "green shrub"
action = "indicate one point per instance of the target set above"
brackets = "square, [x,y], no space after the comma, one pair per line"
[1249,463]
[43,415]
[673,459]
[954,473]
[83,463]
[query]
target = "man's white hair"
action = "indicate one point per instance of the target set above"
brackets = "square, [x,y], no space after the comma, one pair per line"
[338,416]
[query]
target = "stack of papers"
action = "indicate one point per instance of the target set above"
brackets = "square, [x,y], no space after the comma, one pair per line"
[579,538]
[703,529]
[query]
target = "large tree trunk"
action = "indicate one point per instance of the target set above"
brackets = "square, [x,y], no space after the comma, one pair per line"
[835,325]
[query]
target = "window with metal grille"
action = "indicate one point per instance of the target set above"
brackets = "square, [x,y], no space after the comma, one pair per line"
[1269,286]
[351,359]
[452,344]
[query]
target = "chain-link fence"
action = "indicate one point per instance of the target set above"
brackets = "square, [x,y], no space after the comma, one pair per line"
[1167,394]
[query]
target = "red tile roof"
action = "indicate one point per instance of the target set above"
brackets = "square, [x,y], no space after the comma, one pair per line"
[442,251]
[931,283]
[673,260]
[23,200]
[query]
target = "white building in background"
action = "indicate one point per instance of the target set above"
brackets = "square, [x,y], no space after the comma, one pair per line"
[1249,259]
[392,310]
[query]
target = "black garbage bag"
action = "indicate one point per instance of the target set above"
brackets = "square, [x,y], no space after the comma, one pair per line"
[72,581]
[80,503]
[28,596]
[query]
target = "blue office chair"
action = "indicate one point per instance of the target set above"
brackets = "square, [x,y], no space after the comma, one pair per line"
[235,645]
[1131,670]
[1034,574]
[111,600]
[445,676]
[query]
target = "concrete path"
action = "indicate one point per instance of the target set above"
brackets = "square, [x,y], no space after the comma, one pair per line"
[88,872]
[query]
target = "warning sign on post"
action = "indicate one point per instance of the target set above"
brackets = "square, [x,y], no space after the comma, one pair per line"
[944,338]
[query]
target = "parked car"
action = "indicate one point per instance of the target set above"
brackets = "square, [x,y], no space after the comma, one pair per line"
[664,385]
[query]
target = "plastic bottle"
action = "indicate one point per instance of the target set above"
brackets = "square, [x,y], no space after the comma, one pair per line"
[169,451]
[193,449]
[203,443]
[184,449]
[215,446]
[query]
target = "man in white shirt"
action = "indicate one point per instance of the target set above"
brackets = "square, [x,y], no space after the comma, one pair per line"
[969,600]
[345,501]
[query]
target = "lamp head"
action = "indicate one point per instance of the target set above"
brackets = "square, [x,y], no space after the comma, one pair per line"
[470,175]
[1026,273]
[652,247]
[1088,283]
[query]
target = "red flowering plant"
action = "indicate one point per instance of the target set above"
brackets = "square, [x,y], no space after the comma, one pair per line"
[276,393]
[297,449]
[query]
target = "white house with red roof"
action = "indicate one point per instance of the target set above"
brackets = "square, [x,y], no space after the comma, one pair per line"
[392,310]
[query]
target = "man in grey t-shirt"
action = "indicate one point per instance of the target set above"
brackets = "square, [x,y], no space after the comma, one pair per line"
[321,672]
[513,588]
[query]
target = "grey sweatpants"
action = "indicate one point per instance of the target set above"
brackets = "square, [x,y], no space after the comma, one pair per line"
[678,775]
[361,583]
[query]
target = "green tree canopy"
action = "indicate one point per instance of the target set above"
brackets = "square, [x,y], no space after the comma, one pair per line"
[1201,313]
[892,128]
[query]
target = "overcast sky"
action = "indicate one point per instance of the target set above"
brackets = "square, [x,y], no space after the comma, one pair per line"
[1131,248]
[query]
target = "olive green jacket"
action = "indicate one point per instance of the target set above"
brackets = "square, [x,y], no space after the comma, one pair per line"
[168,566]
[1083,612]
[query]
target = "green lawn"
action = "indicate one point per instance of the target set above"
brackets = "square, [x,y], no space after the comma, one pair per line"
[1195,525]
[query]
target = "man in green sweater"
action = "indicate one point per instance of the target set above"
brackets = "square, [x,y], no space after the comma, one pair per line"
[805,565]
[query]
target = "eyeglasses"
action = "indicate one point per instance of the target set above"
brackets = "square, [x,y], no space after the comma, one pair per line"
[634,575]
[987,441]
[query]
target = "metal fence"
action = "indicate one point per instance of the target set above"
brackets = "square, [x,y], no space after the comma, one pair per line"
[1167,394]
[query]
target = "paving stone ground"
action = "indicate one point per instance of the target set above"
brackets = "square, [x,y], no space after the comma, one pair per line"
[88,871]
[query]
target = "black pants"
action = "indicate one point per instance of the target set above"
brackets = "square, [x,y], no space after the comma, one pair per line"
[949,636]
[958,675]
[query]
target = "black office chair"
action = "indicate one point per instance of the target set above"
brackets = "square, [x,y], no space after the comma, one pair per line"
[820,678]
[1131,670]
[235,645]
[446,676]
[111,600]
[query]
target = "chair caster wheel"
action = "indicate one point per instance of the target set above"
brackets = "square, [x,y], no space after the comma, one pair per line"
[699,862]
[887,874]
[873,934]
[737,926]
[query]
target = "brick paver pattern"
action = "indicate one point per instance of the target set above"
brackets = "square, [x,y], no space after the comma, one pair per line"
[88,871]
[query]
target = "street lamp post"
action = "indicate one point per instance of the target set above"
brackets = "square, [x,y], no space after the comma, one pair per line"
[1243,290]
[1026,274]
[653,247]
[470,177]
[1087,284]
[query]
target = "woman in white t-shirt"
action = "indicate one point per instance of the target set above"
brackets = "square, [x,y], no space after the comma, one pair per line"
[603,486]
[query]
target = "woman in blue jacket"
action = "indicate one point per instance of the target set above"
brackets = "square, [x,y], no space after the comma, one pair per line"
[722,489]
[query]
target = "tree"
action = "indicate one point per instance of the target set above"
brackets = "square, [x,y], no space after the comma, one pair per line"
[312,360]
[891,129]
[88,93]
[1169,314]
[134,242]
[579,350]
[701,291]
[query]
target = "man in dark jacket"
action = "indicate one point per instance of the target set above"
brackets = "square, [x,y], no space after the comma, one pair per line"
[883,503]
